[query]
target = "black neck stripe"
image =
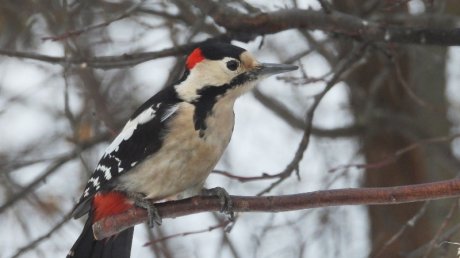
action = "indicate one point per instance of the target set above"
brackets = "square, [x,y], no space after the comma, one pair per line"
[209,95]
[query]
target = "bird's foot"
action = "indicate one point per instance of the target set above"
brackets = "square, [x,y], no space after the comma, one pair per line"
[152,212]
[224,198]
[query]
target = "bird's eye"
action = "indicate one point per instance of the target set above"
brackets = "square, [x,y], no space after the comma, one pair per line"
[232,65]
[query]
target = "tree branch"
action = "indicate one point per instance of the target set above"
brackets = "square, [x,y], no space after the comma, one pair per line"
[118,61]
[351,196]
[105,62]
[77,32]
[43,237]
[283,113]
[246,26]
[346,65]
[334,21]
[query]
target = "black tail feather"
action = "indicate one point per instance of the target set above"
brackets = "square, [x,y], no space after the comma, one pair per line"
[86,246]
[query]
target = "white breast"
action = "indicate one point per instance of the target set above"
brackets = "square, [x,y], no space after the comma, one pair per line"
[185,159]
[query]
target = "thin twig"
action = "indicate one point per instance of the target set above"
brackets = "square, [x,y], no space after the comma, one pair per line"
[211,228]
[410,92]
[341,68]
[409,224]
[31,186]
[397,154]
[450,232]
[441,228]
[52,168]
[244,179]
[104,62]
[78,32]
[45,236]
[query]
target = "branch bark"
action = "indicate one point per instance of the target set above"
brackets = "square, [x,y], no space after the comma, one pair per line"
[325,198]
[244,27]
[333,21]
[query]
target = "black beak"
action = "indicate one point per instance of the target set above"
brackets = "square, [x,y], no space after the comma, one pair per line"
[265,69]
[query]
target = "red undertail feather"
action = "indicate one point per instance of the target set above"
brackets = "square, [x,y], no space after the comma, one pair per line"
[194,58]
[109,204]
[119,246]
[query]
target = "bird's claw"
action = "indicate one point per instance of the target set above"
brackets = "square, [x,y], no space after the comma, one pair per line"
[224,198]
[152,212]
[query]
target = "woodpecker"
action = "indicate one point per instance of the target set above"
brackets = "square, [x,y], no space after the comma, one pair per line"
[170,144]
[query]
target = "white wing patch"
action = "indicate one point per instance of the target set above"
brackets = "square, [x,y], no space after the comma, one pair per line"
[129,128]
[145,116]
[95,182]
[106,170]
[86,192]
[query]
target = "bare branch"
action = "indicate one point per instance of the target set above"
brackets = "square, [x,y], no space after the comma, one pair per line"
[351,196]
[45,236]
[244,179]
[105,62]
[78,32]
[334,21]
[244,26]
[398,153]
[410,223]
[442,227]
[345,65]
[52,168]
[30,187]
[116,61]
[284,113]
[211,228]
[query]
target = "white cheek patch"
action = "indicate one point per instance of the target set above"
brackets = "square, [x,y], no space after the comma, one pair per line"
[205,73]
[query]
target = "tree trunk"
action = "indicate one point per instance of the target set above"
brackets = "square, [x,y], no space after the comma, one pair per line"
[395,118]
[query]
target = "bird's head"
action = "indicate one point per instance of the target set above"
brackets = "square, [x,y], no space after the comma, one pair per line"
[219,69]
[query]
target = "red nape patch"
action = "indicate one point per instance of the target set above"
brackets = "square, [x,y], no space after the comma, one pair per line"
[110,203]
[194,58]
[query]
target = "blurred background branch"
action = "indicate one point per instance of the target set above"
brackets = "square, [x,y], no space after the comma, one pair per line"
[375,103]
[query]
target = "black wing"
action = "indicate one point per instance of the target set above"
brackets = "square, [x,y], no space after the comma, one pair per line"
[140,138]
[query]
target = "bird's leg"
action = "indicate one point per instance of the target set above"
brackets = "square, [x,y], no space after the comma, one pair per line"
[224,198]
[152,211]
